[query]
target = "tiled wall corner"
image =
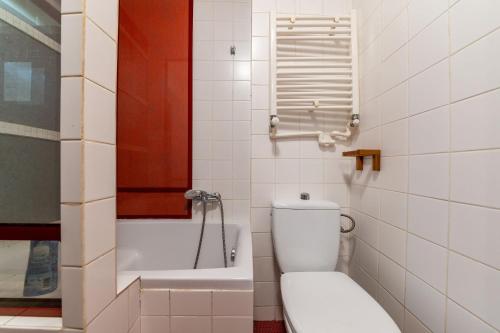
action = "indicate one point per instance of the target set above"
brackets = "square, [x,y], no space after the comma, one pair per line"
[88,69]
[424,246]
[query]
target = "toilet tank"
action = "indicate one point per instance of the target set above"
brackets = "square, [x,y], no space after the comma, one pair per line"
[306,235]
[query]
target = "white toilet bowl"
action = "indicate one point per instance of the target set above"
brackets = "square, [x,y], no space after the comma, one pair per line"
[331,302]
[315,298]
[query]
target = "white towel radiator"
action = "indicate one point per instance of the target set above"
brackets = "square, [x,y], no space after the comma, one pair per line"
[313,77]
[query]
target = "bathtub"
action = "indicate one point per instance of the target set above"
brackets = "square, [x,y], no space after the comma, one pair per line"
[162,254]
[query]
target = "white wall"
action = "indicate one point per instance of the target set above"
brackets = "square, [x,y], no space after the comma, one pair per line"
[221,108]
[283,169]
[427,244]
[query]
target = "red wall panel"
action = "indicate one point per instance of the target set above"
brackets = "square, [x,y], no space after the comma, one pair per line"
[154,108]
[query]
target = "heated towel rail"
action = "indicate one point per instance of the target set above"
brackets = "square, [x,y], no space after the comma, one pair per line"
[313,77]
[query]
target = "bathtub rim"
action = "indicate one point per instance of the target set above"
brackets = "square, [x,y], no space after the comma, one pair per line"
[237,277]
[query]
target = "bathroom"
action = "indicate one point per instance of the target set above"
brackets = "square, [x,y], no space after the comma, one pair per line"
[164,168]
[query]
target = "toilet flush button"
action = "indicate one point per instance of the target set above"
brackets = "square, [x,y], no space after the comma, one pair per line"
[304,196]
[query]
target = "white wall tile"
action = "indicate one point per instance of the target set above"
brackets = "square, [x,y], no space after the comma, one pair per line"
[391,9]
[476,115]
[395,69]
[428,218]
[426,303]
[311,7]
[287,171]
[232,303]
[430,132]
[475,286]
[223,11]
[222,70]
[461,321]
[423,12]
[260,48]
[265,270]
[260,72]
[71,44]
[203,11]
[394,103]
[98,236]
[467,80]
[71,6]
[263,170]
[395,138]
[221,30]
[72,289]
[155,324]
[434,84]
[190,302]
[71,171]
[100,54]
[114,318]
[134,305]
[99,287]
[393,208]
[474,178]
[311,171]
[241,89]
[190,324]
[262,244]
[393,307]
[155,302]
[429,175]
[105,15]
[260,24]
[242,70]
[261,219]
[427,261]
[71,107]
[413,325]
[392,277]
[464,28]
[367,257]
[392,243]
[395,173]
[260,97]
[367,228]
[266,293]
[99,117]
[100,171]
[396,35]
[430,46]
[474,231]
[286,6]
[232,324]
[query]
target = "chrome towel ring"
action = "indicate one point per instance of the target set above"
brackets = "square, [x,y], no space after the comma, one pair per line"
[353,224]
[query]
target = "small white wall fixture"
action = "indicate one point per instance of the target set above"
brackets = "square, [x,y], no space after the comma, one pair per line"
[313,77]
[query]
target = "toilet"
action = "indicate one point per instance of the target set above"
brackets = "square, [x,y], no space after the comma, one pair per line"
[316,299]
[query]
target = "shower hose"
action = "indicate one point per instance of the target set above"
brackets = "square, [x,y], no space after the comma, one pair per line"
[204,201]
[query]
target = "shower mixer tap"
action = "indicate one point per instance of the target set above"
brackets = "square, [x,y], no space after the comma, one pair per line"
[203,196]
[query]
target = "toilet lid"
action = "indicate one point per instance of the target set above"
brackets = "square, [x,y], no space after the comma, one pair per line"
[327,302]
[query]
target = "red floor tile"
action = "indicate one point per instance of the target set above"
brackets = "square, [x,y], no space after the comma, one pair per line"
[269,327]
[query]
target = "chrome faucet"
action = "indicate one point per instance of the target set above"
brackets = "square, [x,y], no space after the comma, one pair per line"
[203,196]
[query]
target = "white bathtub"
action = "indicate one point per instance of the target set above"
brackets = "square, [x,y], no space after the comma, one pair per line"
[162,253]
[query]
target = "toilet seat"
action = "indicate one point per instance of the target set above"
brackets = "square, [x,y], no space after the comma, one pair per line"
[331,302]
